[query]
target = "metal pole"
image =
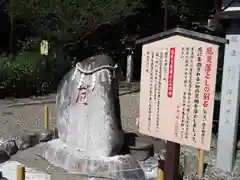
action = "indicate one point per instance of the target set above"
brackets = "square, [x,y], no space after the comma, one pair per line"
[46,117]
[160,171]
[20,173]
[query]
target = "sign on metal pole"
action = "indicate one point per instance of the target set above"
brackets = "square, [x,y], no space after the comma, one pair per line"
[129,68]
[229,104]
[44,47]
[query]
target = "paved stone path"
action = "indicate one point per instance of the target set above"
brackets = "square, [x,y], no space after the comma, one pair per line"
[26,115]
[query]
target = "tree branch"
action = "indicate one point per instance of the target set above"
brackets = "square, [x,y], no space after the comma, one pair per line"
[88,33]
[2,2]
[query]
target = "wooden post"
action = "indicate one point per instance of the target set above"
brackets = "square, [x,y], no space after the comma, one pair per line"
[46,117]
[171,168]
[201,163]
[20,173]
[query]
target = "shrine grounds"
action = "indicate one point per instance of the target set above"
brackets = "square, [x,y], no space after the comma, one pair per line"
[26,115]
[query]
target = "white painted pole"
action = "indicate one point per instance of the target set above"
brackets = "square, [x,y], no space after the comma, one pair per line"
[129,68]
[228,121]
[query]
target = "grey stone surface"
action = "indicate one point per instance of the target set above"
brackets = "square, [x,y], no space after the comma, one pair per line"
[95,119]
[10,147]
[89,123]
[3,156]
[46,136]
[117,167]
[190,165]
[141,150]
[28,117]
[228,121]
[26,140]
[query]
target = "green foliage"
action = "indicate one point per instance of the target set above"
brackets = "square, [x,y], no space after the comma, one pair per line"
[29,74]
[69,26]
[62,22]
[191,10]
[71,18]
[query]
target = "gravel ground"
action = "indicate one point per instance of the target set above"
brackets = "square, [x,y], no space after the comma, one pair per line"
[211,173]
[26,115]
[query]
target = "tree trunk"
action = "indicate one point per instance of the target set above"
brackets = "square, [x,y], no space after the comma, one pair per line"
[11,27]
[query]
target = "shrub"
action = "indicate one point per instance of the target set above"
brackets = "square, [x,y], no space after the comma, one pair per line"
[29,74]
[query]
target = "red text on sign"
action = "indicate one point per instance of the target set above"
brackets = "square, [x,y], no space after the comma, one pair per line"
[171,72]
[208,69]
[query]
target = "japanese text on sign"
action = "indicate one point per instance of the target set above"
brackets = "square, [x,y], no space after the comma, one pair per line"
[178,105]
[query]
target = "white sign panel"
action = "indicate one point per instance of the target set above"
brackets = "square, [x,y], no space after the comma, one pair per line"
[177,90]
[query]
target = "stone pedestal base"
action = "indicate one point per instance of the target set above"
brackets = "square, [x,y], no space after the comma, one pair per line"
[73,161]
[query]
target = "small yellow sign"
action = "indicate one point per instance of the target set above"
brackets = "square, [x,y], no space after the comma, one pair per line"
[44,46]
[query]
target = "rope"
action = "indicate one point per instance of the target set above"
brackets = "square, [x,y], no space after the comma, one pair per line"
[93,81]
[80,81]
[74,74]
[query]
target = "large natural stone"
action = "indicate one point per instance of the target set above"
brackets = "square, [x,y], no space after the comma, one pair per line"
[88,110]
[89,125]
[117,167]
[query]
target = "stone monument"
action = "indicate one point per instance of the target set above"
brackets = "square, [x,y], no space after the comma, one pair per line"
[89,124]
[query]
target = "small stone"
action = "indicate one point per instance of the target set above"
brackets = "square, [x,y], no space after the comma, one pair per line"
[27,140]
[46,136]
[10,147]
[3,156]
[142,150]
[190,165]
[24,146]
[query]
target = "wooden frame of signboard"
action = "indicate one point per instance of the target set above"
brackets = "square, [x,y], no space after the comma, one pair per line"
[178,78]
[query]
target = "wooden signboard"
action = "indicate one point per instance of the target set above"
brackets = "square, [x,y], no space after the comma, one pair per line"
[177,87]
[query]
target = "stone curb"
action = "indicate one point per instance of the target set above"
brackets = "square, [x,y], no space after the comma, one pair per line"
[30,103]
[48,101]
